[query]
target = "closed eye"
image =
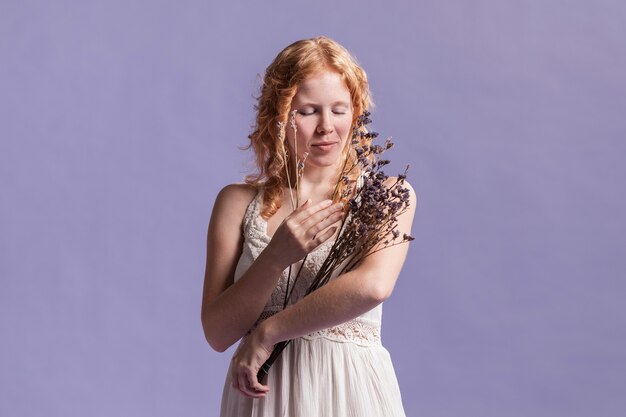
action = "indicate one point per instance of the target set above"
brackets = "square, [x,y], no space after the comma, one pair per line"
[310,112]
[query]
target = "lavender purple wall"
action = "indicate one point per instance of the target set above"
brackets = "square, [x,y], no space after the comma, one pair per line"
[120,121]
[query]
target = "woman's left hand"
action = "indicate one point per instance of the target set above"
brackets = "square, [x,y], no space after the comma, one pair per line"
[246,362]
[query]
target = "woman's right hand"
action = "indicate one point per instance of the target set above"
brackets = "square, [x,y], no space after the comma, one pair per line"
[299,233]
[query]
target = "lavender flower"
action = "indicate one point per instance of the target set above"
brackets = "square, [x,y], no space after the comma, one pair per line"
[371,218]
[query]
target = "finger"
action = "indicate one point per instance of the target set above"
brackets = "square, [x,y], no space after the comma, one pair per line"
[256,385]
[322,225]
[321,215]
[323,237]
[306,210]
[244,387]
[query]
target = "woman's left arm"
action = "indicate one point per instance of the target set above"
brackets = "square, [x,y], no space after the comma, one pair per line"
[340,300]
[347,296]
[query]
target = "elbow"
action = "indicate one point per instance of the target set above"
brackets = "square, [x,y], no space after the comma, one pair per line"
[212,336]
[217,347]
[215,344]
[380,294]
[378,284]
[379,291]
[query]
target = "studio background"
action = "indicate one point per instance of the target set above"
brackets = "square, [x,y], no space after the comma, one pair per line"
[120,121]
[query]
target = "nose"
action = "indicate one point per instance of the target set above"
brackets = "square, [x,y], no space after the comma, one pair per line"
[325,126]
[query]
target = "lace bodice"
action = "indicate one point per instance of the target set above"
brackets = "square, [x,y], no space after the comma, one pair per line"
[363,330]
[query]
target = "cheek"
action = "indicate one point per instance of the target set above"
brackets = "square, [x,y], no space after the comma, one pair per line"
[305,132]
[345,129]
[301,136]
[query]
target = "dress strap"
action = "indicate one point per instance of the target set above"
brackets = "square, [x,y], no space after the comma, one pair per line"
[252,212]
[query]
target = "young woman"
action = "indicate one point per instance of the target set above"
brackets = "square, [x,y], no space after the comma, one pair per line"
[336,364]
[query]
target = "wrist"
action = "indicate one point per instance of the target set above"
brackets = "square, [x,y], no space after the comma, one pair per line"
[273,260]
[268,331]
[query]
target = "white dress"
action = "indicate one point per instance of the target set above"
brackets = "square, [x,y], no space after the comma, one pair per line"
[343,371]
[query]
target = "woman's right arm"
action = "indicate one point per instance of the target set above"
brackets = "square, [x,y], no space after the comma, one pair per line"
[230,308]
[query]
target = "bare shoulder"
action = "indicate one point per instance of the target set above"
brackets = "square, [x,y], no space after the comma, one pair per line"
[224,238]
[230,207]
[238,189]
[235,198]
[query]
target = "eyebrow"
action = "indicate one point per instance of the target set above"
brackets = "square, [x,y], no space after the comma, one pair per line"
[336,103]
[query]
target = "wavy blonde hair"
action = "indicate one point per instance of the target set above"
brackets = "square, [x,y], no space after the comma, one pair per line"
[280,84]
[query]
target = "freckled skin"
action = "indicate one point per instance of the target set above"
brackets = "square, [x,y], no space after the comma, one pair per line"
[323,119]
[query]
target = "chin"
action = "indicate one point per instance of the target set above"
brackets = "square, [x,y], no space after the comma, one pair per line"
[327,162]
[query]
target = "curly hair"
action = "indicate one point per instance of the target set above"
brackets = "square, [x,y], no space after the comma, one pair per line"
[280,83]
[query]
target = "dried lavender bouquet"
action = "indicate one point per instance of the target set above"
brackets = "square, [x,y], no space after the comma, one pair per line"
[370,220]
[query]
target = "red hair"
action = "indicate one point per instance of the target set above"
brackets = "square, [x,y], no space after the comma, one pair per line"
[280,83]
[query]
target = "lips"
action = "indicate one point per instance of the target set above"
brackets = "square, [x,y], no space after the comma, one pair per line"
[324,146]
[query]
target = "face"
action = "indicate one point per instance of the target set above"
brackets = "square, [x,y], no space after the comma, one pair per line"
[323,119]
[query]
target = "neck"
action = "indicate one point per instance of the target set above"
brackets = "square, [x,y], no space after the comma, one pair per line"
[318,183]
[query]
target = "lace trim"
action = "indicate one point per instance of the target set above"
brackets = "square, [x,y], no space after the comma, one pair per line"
[255,234]
[255,231]
[353,331]
[357,331]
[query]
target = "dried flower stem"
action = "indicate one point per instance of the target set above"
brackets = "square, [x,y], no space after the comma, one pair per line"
[371,218]
[299,171]
[281,140]
[292,123]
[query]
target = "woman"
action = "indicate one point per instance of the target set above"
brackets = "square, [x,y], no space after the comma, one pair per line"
[336,364]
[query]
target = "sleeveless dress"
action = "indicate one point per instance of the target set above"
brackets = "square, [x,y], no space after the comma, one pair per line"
[342,371]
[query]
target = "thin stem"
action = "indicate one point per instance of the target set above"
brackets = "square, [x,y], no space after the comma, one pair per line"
[292,122]
[384,247]
[281,137]
[352,244]
[288,297]
[341,174]
[287,290]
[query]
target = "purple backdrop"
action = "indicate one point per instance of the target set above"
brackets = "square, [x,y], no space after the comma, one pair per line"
[120,121]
